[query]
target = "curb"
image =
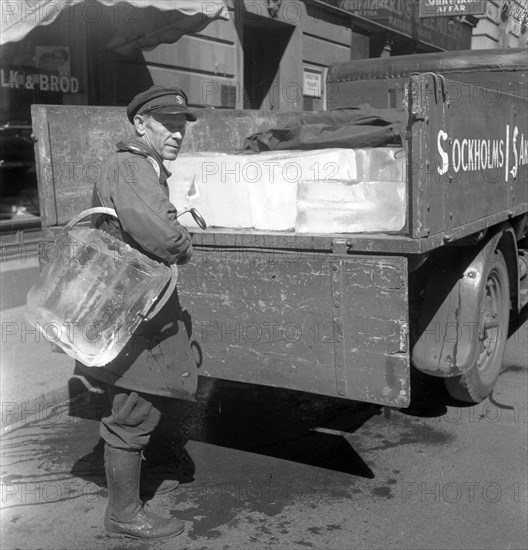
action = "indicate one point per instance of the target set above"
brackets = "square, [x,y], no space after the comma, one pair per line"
[35,409]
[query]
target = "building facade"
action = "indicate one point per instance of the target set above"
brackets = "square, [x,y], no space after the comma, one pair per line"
[503,25]
[269,54]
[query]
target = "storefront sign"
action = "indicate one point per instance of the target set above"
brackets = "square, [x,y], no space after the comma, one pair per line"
[45,82]
[435,8]
[312,83]
[403,16]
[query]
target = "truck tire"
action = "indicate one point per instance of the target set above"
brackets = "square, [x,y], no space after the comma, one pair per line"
[478,382]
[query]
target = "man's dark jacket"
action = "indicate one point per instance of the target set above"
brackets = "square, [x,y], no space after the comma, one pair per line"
[158,359]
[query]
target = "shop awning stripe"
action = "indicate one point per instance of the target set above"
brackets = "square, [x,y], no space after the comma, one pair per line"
[19,17]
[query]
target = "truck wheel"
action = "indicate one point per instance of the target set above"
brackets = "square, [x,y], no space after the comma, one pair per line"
[479,381]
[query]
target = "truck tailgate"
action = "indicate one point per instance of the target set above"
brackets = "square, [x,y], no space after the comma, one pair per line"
[305,320]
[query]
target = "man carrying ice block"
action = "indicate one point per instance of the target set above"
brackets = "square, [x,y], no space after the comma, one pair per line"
[158,362]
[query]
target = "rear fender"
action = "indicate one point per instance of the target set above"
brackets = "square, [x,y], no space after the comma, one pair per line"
[447,341]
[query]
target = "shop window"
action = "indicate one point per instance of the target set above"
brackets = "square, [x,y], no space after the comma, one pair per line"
[31,72]
[34,74]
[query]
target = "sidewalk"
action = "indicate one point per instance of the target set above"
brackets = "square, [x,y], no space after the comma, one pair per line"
[33,376]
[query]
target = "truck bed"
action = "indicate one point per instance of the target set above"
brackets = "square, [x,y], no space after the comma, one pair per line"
[444,202]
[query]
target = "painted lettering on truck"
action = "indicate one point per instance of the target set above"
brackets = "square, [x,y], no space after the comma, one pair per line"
[470,154]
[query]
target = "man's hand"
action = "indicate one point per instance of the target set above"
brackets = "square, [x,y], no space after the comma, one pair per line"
[182,248]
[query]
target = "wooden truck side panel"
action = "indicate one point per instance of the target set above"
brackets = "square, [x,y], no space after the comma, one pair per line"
[469,158]
[310,321]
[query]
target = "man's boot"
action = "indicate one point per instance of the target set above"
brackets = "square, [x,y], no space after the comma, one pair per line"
[157,480]
[125,516]
[166,464]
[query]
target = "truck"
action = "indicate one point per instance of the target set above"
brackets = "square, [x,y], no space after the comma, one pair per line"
[349,315]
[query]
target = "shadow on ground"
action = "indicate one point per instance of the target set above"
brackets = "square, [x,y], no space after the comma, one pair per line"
[266,421]
[279,423]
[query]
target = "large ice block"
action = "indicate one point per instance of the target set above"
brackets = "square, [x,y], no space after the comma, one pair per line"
[91,295]
[211,183]
[253,190]
[380,164]
[374,202]
[351,207]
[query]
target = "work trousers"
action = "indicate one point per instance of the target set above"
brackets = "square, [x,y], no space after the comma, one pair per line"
[133,418]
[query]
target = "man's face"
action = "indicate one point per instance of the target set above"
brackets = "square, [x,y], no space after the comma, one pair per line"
[164,133]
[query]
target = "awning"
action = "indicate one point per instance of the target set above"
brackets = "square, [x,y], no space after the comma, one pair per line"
[137,24]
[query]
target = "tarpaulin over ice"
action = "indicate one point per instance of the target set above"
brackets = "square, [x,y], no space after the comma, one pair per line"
[353,127]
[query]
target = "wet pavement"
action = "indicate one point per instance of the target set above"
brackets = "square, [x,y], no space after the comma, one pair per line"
[269,468]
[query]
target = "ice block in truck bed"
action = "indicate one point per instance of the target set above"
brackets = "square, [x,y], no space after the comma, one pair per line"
[357,207]
[374,202]
[321,191]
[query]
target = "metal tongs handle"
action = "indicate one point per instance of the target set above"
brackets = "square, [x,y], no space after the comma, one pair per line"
[196,215]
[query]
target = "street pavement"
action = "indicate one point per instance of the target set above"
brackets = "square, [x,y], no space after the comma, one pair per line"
[35,375]
[268,468]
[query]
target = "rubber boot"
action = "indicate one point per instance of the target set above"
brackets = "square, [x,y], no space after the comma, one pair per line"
[157,480]
[125,517]
[166,464]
